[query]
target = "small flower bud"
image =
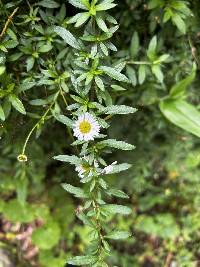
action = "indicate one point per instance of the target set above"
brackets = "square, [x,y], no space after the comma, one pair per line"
[22,158]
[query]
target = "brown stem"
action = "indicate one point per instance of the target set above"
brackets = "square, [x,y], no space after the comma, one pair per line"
[194,52]
[8,22]
[168,259]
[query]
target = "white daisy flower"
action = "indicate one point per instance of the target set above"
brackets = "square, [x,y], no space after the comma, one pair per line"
[86,168]
[86,128]
[108,169]
[82,169]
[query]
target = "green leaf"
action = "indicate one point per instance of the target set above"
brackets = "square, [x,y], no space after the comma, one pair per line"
[120,167]
[156,69]
[74,160]
[130,72]
[83,260]
[178,90]
[85,219]
[47,236]
[82,19]
[2,70]
[104,49]
[68,37]
[182,114]
[179,22]
[155,3]
[99,83]
[78,4]
[2,115]
[135,45]
[152,48]
[76,191]
[117,193]
[41,102]
[105,5]
[48,4]
[30,63]
[117,88]
[114,209]
[65,120]
[44,48]
[101,23]
[119,110]
[16,103]
[141,74]
[116,144]
[116,235]
[86,3]
[114,74]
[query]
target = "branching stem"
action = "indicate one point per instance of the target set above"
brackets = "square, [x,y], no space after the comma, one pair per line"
[8,22]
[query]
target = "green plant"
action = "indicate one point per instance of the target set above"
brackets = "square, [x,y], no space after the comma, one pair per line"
[92,76]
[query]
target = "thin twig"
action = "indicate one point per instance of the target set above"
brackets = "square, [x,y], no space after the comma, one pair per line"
[193,51]
[168,259]
[8,22]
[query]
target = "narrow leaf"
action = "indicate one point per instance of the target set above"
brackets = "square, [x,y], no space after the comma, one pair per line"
[68,37]
[112,208]
[74,160]
[16,103]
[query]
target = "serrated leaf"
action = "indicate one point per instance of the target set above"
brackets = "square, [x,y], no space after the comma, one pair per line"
[85,219]
[76,191]
[16,103]
[120,167]
[74,160]
[99,83]
[68,37]
[116,144]
[117,193]
[101,23]
[116,235]
[115,74]
[114,209]
[65,120]
[105,5]
[82,19]
[119,110]
[83,260]
[48,4]
[78,4]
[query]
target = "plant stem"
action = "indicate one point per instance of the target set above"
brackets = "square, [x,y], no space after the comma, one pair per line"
[8,22]
[68,129]
[36,125]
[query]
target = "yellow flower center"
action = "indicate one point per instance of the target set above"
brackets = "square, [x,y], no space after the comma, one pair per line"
[85,168]
[85,127]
